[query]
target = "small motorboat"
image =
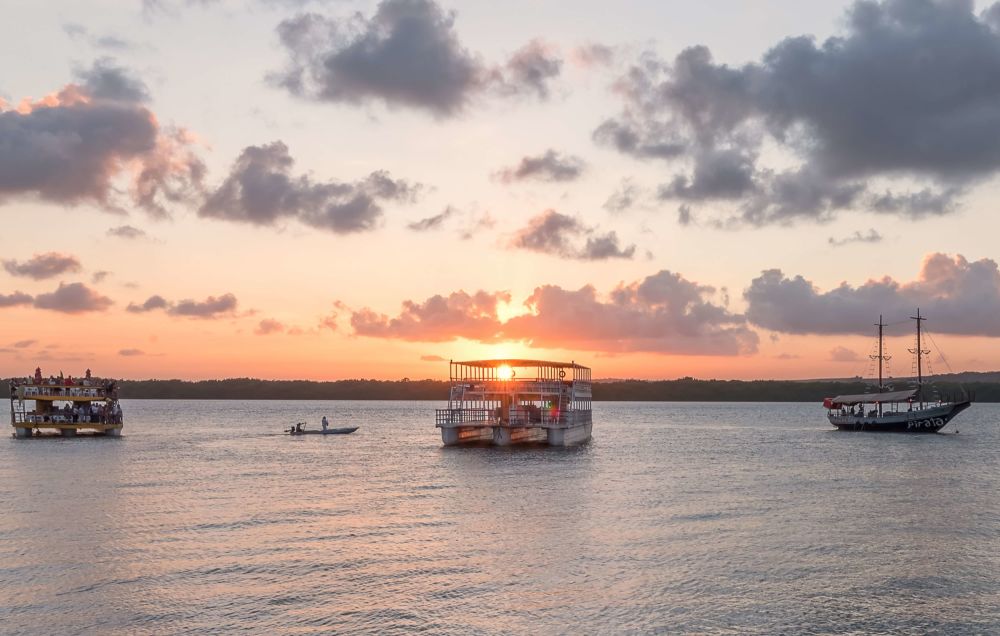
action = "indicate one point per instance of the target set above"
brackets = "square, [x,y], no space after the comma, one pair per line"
[297,430]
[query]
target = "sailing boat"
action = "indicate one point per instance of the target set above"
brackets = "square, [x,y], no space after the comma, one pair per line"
[908,411]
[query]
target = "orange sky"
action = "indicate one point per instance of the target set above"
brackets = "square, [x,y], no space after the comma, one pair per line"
[182,201]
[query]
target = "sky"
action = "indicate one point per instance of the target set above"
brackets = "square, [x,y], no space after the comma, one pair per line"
[342,189]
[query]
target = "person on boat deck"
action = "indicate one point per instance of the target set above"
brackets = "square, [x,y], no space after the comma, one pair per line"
[325,423]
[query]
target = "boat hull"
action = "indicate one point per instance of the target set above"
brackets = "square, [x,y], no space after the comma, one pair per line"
[929,420]
[329,431]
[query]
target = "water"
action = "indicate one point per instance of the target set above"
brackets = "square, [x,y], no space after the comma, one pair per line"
[722,518]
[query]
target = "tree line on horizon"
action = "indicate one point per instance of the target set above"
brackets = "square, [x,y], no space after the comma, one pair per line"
[680,390]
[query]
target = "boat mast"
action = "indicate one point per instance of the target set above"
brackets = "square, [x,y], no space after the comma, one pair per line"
[881,357]
[919,351]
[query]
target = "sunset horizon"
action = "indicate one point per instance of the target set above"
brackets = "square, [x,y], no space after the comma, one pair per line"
[327,203]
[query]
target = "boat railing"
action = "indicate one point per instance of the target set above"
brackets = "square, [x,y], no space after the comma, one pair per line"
[59,391]
[455,417]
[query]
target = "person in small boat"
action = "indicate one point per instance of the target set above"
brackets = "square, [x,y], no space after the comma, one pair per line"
[325,423]
[298,427]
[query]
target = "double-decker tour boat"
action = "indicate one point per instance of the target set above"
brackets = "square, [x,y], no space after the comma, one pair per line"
[64,404]
[915,410]
[512,401]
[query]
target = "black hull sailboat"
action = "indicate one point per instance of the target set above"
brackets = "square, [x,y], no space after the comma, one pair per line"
[927,420]
[908,411]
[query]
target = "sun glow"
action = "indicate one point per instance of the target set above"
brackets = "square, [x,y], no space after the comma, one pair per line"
[504,372]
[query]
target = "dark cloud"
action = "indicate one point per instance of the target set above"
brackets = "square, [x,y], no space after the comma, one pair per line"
[211,307]
[42,266]
[74,146]
[549,166]
[432,222]
[127,232]
[438,319]
[406,54]
[529,71]
[152,303]
[959,296]
[72,298]
[663,313]
[624,198]
[910,91]
[871,236]
[99,276]
[718,174]
[109,81]
[130,353]
[269,326]
[261,190]
[14,299]
[559,235]
[918,204]
[24,344]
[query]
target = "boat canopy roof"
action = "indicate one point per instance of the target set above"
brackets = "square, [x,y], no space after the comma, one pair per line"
[517,363]
[872,398]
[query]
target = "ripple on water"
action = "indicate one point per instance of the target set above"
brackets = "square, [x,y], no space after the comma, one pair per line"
[699,518]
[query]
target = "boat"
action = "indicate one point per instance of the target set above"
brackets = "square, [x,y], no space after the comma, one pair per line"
[505,402]
[920,409]
[318,431]
[64,405]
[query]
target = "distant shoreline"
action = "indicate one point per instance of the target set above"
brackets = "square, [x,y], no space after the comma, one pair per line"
[681,390]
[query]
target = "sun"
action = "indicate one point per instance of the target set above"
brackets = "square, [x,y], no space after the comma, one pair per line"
[504,372]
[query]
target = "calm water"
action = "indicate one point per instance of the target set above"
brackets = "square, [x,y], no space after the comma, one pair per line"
[676,518]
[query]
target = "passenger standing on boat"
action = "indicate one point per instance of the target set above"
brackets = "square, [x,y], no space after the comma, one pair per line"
[325,423]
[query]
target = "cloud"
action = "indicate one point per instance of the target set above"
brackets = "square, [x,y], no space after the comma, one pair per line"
[478,223]
[843,354]
[593,54]
[549,166]
[99,276]
[909,92]
[624,198]
[529,71]
[24,344]
[74,146]
[153,302]
[269,326]
[73,298]
[871,236]
[130,353]
[663,313]
[210,308]
[438,319]
[432,359]
[432,222]
[42,266]
[107,42]
[127,232]
[959,296]
[14,299]
[261,190]
[106,80]
[559,235]
[406,54]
